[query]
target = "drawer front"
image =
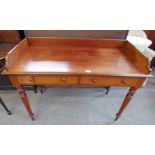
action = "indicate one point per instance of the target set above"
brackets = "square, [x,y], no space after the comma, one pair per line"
[75,80]
[24,79]
[108,81]
[56,80]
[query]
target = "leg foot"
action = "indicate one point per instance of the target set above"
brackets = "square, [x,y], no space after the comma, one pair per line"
[9,113]
[32,117]
[117,117]
[126,101]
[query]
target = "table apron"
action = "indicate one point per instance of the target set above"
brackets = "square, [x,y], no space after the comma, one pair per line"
[90,80]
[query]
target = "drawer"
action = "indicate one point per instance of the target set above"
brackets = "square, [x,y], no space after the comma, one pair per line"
[108,81]
[24,79]
[56,80]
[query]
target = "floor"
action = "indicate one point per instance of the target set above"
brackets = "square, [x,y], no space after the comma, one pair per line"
[81,106]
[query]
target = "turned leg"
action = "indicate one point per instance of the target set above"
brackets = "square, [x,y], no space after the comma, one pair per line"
[126,101]
[25,101]
[3,104]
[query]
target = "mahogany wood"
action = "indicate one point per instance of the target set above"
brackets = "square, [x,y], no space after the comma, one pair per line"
[78,62]
[25,101]
[126,101]
[23,95]
[108,34]
[9,36]
[4,49]
[8,39]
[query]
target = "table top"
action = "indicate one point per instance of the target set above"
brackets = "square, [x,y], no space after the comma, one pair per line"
[76,56]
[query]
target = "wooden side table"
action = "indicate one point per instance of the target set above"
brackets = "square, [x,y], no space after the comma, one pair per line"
[76,62]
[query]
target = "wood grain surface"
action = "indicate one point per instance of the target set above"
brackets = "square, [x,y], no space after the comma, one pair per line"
[76,56]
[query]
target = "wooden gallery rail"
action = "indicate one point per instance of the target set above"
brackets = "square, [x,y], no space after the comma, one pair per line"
[76,62]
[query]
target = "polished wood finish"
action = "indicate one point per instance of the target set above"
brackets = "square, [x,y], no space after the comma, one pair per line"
[76,56]
[56,80]
[78,80]
[26,79]
[137,58]
[25,101]
[4,49]
[76,62]
[8,39]
[108,81]
[108,34]
[9,36]
[22,95]
[126,101]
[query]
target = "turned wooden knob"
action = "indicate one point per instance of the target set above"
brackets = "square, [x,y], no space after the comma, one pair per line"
[124,81]
[64,79]
[94,80]
[31,79]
